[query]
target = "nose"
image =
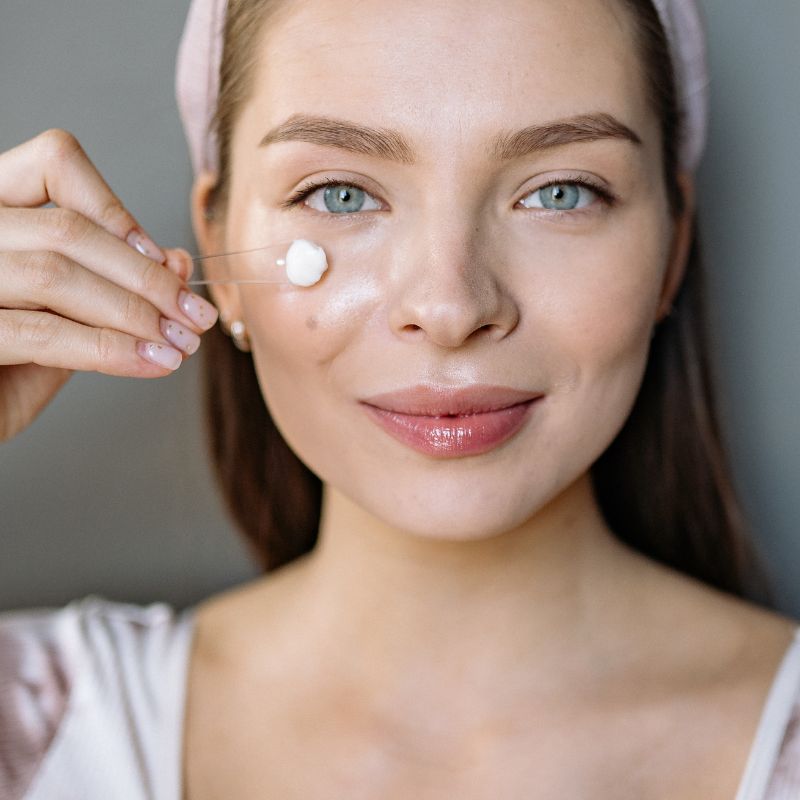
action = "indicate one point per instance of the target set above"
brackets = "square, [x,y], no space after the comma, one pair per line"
[450,292]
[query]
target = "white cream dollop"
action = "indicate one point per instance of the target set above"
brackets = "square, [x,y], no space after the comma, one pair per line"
[305,262]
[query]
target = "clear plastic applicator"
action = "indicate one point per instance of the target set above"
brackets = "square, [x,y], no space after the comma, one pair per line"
[300,262]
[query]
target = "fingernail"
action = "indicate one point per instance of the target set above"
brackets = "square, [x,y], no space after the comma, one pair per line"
[146,246]
[199,311]
[159,354]
[180,335]
[180,262]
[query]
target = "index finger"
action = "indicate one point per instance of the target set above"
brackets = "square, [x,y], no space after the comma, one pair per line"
[53,167]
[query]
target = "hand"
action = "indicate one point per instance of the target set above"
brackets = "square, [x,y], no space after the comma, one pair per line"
[83,287]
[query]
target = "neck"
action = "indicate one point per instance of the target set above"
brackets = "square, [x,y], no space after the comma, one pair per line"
[392,607]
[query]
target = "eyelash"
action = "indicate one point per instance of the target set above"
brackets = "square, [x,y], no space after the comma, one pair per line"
[304,191]
[604,194]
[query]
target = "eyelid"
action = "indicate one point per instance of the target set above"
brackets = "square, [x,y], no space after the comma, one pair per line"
[594,184]
[607,199]
[310,186]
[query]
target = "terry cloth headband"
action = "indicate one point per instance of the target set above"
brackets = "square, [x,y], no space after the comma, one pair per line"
[200,52]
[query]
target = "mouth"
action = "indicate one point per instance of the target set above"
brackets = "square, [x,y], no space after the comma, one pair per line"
[447,423]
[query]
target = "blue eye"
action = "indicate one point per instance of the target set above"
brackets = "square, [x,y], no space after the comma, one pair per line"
[560,197]
[338,198]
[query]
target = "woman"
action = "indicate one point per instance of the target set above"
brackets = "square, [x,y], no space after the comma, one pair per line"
[478,456]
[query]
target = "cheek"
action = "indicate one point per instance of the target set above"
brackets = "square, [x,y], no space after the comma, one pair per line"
[611,318]
[300,338]
[293,327]
[601,305]
[597,324]
[305,328]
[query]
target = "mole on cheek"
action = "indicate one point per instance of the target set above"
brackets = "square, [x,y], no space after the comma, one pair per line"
[311,323]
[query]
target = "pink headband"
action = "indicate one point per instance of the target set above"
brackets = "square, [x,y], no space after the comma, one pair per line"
[200,52]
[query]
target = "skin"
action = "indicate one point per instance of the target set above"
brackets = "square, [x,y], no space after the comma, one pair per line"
[454,610]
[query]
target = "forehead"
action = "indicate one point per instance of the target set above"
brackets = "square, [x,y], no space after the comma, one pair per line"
[466,66]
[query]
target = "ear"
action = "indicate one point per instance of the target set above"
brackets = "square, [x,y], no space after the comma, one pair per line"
[210,235]
[679,252]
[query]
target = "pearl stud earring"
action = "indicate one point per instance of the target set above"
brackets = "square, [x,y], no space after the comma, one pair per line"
[239,335]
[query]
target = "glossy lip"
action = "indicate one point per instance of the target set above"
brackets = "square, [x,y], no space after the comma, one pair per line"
[452,422]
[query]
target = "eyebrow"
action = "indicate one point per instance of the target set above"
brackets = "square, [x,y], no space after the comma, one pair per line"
[392,145]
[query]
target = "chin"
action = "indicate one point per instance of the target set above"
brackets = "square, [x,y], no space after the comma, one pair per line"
[458,513]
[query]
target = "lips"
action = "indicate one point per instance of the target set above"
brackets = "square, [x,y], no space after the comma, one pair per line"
[446,422]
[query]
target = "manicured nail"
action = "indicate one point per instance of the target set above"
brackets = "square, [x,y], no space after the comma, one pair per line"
[199,311]
[180,335]
[146,246]
[180,262]
[159,354]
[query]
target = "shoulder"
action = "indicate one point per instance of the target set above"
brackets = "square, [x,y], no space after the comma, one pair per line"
[48,656]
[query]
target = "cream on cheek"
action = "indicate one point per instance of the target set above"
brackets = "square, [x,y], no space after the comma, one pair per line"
[306,324]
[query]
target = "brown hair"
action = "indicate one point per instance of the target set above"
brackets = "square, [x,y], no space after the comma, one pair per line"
[663,485]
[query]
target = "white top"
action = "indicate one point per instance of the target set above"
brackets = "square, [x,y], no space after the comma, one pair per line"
[92,698]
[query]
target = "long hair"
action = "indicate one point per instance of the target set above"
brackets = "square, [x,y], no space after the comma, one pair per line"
[663,485]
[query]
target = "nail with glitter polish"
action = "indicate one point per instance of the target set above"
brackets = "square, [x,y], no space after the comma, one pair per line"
[199,311]
[180,335]
[159,354]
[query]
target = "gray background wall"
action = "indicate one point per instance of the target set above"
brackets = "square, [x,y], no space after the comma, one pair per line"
[110,491]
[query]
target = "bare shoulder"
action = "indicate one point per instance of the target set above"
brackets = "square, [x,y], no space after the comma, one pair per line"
[236,620]
[702,668]
[717,633]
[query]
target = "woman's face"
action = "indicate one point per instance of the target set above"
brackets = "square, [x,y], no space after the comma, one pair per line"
[450,265]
